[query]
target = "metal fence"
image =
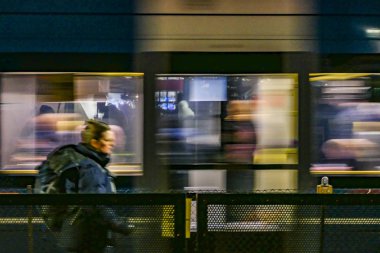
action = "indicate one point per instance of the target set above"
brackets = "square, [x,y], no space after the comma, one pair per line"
[294,223]
[157,221]
[219,222]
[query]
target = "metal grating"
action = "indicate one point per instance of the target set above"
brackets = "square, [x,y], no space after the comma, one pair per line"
[156,223]
[252,223]
[226,223]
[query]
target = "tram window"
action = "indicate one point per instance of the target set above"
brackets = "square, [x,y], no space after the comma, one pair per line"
[346,122]
[261,119]
[228,118]
[50,109]
[189,131]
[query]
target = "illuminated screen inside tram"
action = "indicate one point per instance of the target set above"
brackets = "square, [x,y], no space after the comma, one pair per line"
[41,111]
[245,119]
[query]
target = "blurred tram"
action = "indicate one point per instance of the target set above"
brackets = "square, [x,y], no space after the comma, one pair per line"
[263,84]
[205,95]
[226,90]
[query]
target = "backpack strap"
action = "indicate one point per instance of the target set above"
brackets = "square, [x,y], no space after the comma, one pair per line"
[71,174]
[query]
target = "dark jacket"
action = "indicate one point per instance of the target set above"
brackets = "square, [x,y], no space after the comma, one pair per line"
[81,169]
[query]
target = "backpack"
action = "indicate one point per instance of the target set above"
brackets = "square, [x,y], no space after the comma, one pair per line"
[61,165]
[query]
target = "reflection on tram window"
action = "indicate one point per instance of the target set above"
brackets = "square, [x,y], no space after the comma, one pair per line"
[346,122]
[234,119]
[50,110]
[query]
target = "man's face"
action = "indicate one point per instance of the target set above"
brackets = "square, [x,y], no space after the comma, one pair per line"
[107,142]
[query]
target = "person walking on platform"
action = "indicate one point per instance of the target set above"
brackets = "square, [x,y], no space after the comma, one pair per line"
[81,168]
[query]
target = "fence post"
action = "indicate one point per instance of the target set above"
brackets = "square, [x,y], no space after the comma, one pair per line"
[30,222]
[323,188]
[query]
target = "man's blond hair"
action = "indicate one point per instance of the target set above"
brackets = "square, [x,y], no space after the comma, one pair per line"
[94,129]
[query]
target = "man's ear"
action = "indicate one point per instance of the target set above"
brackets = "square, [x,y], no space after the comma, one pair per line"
[95,144]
